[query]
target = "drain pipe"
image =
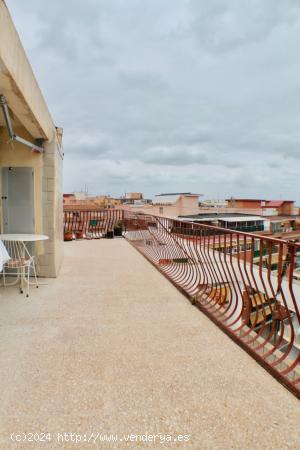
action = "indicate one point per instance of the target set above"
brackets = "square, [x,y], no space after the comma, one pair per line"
[36,147]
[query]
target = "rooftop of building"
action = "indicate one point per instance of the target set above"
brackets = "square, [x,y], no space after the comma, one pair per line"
[172,197]
[126,350]
[277,203]
[228,216]
[133,195]
[245,199]
[268,202]
[175,193]
[281,218]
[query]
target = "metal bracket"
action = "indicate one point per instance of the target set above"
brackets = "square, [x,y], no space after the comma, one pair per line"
[36,147]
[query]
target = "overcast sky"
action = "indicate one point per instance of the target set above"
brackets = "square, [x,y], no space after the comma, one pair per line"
[171,95]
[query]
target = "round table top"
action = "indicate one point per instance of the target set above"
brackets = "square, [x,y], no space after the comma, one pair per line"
[23,237]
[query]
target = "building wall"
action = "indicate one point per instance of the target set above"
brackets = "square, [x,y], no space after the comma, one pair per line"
[244,204]
[286,209]
[183,206]
[51,260]
[213,203]
[227,210]
[165,210]
[134,196]
[48,209]
[188,205]
[270,212]
[102,201]
[68,199]
[105,201]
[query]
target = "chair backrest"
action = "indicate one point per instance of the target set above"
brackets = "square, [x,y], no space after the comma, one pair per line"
[16,250]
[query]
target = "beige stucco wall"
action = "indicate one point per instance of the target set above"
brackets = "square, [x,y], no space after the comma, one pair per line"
[188,205]
[52,210]
[166,211]
[48,207]
[183,206]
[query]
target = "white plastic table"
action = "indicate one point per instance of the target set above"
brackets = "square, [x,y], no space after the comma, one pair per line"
[23,238]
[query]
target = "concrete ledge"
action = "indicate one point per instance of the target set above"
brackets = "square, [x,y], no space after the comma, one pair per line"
[18,82]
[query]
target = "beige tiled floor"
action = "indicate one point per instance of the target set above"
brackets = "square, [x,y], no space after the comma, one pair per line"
[111,347]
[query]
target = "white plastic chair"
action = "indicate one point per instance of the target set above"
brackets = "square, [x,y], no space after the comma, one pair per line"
[19,264]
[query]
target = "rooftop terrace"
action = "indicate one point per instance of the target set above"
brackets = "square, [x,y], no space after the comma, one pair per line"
[111,346]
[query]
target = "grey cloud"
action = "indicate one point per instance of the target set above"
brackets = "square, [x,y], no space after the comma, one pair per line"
[174,156]
[142,81]
[171,95]
[221,25]
[90,151]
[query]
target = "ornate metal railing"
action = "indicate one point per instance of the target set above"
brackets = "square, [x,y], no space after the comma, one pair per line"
[246,283]
[92,222]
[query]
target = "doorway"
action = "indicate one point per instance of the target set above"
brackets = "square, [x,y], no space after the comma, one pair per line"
[18,199]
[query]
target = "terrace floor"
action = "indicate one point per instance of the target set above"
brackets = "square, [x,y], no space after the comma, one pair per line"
[112,347]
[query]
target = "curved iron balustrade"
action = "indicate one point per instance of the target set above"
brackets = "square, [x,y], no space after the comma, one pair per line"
[244,282]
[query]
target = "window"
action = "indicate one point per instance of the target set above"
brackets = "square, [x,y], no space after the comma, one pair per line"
[161,210]
[276,227]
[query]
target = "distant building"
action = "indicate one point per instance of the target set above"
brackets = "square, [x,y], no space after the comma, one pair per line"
[81,199]
[278,208]
[68,199]
[167,205]
[131,197]
[75,197]
[105,201]
[213,203]
[175,204]
[232,221]
[134,196]
[245,203]
[262,206]
[285,224]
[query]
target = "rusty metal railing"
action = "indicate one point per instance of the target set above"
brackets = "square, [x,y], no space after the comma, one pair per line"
[92,222]
[246,283]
